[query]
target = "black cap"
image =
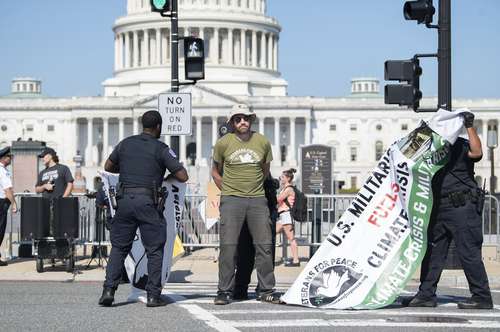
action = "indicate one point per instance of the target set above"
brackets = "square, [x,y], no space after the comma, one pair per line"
[47,151]
[5,152]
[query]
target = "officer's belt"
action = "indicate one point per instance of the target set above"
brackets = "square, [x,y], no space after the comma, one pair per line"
[138,191]
[467,194]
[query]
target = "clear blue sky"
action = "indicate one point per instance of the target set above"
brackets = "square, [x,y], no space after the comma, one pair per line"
[324,43]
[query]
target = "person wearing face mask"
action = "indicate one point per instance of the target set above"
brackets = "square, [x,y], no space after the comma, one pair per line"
[55,180]
[141,160]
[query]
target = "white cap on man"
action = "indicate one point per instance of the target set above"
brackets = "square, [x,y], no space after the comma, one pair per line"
[242,109]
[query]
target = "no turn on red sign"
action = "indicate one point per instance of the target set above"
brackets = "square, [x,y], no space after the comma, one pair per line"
[176,113]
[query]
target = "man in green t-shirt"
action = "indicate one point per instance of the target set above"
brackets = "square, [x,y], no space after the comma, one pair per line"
[241,163]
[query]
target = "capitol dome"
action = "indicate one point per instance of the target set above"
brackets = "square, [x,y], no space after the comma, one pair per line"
[241,48]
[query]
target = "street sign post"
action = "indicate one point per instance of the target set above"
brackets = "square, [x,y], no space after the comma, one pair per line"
[176,112]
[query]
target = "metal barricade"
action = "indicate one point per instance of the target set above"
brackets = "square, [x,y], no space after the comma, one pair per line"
[323,212]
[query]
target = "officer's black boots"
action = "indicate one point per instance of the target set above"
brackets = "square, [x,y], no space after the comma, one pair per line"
[155,301]
[476,304]
[417,302]
[107,297]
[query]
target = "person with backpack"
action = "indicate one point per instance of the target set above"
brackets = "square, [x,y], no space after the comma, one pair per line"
[286,201]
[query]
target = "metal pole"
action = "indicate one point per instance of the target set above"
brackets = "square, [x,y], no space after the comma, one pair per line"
[492,175]
[175,47]
[174,55]
[444,55]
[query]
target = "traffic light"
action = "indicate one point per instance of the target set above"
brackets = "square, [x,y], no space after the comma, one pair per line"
[420,10]
[408,93]
[160,6]
[194,57]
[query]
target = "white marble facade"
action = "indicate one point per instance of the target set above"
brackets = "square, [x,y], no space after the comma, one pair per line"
[242,68]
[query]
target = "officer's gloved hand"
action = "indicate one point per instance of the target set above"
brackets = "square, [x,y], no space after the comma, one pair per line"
[468,119]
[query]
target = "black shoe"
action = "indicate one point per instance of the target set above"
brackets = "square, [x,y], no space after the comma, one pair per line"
[2,263]
[222,299]
[292,264]
[240,295]
[107,297]
[416,302]
[155,301]
[476,304]
[274,298]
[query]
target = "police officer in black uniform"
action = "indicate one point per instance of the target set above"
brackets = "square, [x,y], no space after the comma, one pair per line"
[141,161]
[456,214]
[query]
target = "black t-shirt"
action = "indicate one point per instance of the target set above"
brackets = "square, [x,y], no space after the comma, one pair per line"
[458,174]
[143,160]
[60,175]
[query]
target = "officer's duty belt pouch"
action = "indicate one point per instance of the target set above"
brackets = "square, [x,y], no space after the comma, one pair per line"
[457,198]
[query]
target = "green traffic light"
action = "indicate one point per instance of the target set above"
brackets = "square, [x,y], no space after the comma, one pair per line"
[160,5]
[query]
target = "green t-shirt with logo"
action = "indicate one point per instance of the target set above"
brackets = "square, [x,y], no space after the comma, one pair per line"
[242,164]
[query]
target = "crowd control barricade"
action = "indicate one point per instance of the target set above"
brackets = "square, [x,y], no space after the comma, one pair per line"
[196,231]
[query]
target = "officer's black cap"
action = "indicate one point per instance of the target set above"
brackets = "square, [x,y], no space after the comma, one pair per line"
[151,119]
[5,152]
[47,151]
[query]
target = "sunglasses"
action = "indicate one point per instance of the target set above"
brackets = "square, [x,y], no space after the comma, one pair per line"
[238,118]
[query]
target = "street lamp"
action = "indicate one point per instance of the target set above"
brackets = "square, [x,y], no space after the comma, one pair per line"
[492,143]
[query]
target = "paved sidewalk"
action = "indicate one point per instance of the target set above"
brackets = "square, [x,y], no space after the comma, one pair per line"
[199,266]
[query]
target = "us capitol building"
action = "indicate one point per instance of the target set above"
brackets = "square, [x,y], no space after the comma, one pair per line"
[242,47]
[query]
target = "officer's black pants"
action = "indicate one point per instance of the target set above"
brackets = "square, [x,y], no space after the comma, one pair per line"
[464,225]
[4,210]
[137,211]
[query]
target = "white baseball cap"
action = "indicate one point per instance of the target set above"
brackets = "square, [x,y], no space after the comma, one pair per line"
[242,109]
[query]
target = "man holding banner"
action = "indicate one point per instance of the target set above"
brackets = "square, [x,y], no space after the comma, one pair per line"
[141,161]
[457,215]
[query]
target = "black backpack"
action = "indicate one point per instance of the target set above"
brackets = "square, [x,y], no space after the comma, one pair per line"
[299,209]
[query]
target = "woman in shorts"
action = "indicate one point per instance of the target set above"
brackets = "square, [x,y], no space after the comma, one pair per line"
[286,199]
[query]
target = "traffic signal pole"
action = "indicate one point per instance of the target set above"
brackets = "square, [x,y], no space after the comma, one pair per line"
[174,47]
[444,55]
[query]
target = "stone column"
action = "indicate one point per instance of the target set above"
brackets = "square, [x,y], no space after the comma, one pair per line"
[230,42]
[158,47]
[262,49]
[262,121]
[243,47]
[127,50]
[291,155]
[135,126]
[145,50]
[120,129]
[105,138]
[270,51]
[277,134]
[135,54]
[198,139]
[308,131]
[164,47]
[215,130]
[484,134]
[182,148]
[254,48]
[90,142]
[120,51]
[215,53]
[117,41]
[275,53]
